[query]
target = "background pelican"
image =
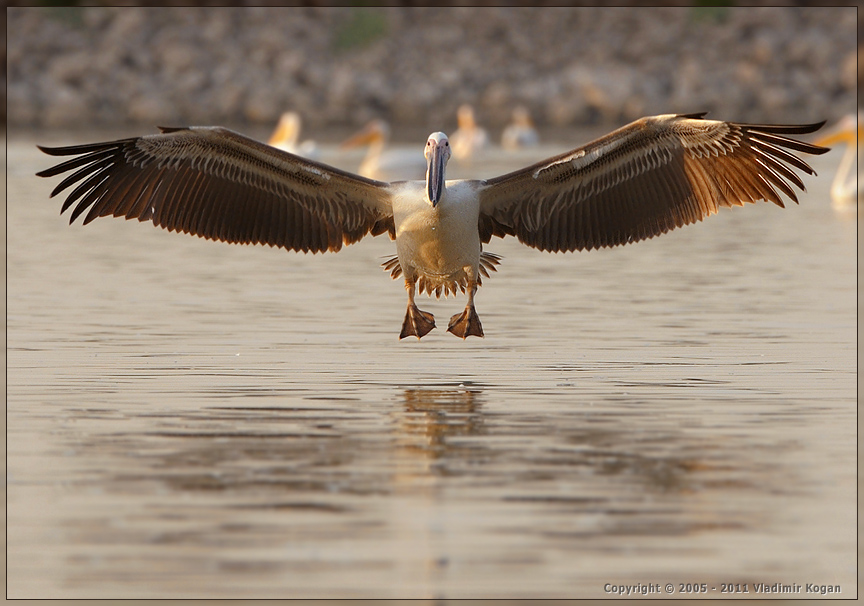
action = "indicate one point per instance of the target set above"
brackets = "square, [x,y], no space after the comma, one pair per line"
[639,181]
[468,138]
[286,137]
[520,132]
[382,163]
[847,188]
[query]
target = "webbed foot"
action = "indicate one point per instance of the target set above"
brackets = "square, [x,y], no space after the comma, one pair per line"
[417,323]
[466,324]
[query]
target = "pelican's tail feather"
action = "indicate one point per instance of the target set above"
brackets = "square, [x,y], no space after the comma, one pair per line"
[432,286]
[392,265]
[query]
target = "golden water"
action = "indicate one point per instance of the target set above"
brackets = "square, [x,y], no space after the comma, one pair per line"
[191,419]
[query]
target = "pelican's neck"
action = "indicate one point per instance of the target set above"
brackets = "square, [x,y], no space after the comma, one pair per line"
[374,151]
[845,184]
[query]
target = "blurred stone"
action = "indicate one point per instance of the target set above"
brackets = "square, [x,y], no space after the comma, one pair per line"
[262,107]
[228,99]
[150,110]
[176,58]
[851,71]
[569,65]
[66,106]
[23,108]
[566,111]
[71,68]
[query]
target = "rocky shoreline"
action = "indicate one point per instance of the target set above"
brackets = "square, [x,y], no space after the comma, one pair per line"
[339,67]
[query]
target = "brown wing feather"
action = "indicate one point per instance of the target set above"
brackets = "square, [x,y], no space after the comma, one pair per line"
[217,184]
[643,180]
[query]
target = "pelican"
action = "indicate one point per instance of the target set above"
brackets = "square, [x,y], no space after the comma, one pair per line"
[384,164]
[468,138]
[640,181]
[287,134]
[847,189]
[520,132]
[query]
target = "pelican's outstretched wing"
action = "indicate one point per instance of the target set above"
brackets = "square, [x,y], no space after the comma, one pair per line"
[217,184]
[642,180]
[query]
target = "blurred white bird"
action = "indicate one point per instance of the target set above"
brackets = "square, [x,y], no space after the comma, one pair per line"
[385,164]
[848,187]
[468,137]
[520,132]
[287,134]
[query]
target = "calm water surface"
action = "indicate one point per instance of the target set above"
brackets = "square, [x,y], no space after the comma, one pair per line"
[192,419]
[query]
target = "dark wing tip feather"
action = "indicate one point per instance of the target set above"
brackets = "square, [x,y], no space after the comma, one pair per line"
[76,150]
[227,197]
[788,129]
[85,154]
[171,129]
[51,151]
[65,151]
[646,182]
[773,133]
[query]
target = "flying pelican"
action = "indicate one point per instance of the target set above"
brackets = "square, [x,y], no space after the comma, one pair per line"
[468,137]
[385,164]
[640,181]
[287,134]
[520,132]
[847,189]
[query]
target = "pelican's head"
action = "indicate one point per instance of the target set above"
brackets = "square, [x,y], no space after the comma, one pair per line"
[465,116]
[849,130]
[522,117]
[437,154]
[376,131]
[287,131]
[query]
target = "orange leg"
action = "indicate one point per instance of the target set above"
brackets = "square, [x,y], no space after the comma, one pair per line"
[416,323]
[468,322]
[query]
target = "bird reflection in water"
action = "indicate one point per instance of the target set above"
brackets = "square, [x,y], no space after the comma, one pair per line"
[432,417]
